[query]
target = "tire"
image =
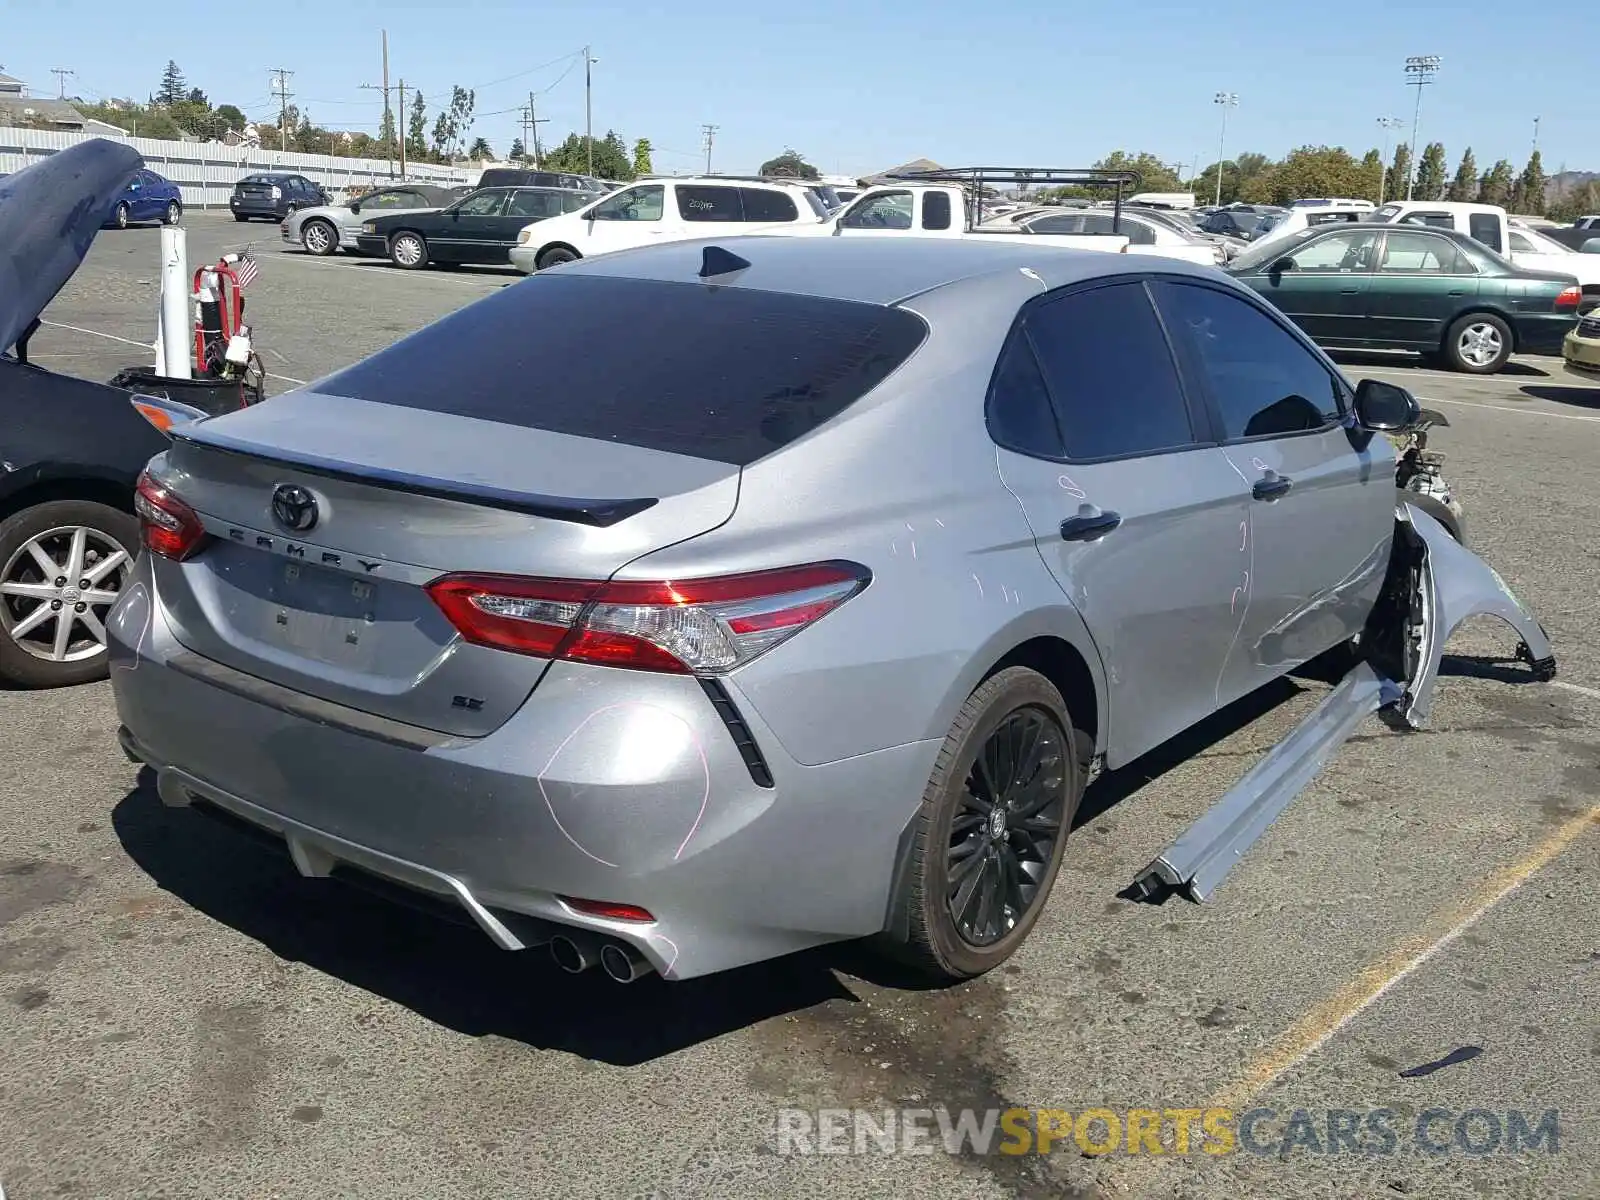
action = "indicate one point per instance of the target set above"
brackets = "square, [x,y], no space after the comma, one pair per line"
[409,251]
[555,256]
[319,237]
[34,658]
[174,212]
[1477,344]
[122,215]
[289,210]
[1006,706]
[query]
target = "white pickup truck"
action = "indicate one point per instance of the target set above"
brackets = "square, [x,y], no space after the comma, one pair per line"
[933,210]
[1490,225]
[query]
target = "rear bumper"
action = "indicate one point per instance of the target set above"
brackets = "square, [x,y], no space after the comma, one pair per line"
[607,785]
[258,208]
[1543,333]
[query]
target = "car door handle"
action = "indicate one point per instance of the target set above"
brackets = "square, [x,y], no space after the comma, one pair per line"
[1089,528]
[1271,488]
[1458,291]
[1349,291]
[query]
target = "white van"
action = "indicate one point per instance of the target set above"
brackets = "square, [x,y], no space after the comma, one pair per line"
[665,210]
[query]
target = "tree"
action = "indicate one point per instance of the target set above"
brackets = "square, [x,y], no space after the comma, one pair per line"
[1308,171]
[480,150]
[610,157]
[1431,173]
[441,135]
[1464,188]
[417,128]
[172,86]
[1154,175]
[1394,186]
[460,115]
[1495,186]
[231,117]
[790,165]
[1371,173]
[386,129]
[641,157]
[1235,175]
[1532,185]
[518,150]
[196,96]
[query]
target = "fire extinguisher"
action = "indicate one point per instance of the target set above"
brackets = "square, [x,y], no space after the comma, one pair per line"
[219,316]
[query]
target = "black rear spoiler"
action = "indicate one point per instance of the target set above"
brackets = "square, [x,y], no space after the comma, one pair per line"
[600,513]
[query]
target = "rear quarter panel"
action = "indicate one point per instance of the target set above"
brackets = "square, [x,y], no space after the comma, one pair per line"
[906,483]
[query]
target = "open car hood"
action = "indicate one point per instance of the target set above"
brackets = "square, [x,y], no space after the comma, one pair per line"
[49,215]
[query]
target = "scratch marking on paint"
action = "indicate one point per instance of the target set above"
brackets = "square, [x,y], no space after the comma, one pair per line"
[1243,534]
[142,593]
[705,797]
[979,582]
[1071,488]
[671,962]
[938,522]
[539,779]
[1258,464]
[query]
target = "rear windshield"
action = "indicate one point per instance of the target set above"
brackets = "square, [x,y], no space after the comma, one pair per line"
[265,179]
[723,373]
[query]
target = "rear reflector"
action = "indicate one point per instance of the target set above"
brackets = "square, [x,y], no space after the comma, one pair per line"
[687,626]
[609,910]
[1570,298]
[167,525]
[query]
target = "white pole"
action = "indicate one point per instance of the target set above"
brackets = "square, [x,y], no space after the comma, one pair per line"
[173,343]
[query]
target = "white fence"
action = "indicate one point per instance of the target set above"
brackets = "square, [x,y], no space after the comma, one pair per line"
[207,171]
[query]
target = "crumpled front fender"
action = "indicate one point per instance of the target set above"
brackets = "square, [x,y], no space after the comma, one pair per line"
[1457,585]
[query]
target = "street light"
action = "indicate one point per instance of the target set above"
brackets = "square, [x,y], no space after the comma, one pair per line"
[588,107]
[1390,124]
[1420,70]
[1225,100]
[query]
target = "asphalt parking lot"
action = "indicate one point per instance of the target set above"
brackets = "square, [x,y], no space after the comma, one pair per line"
[184,1016]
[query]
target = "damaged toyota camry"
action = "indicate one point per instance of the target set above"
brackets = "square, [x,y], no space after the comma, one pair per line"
[807,618]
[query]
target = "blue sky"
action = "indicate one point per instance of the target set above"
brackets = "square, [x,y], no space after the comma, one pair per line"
[857,87]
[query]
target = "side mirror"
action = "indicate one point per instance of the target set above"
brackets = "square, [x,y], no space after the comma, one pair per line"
[1385,407]
[1282,265]
[355,206]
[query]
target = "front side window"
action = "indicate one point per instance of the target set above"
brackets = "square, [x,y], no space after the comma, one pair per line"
[1439,220]
[1419,254]
[1485,228]
[534,203]
[707,204]
[1347,250]
[886,210]
[635,204]
[767,205]
[482,204]
[1110,373]
[383,200]
[1262,380]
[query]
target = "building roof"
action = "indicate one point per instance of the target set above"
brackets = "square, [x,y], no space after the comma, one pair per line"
[10,83]
[916,164]
[14,110]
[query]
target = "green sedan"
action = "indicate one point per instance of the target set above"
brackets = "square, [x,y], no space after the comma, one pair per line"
[1431,291]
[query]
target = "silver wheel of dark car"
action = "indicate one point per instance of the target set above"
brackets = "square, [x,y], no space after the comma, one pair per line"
[65,564]
[992,831]
[1478,343]
[122,216]
[174,212]
[408,250]
[318,237]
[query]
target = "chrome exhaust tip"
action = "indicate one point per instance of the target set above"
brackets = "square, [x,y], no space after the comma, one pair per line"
[624,963]
[574,953]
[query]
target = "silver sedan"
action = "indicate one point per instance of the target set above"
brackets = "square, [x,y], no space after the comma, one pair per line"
[332,227]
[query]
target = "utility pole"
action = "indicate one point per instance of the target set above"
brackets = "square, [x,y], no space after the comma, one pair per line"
[388,119]
[61,73]
[400,124]
[710,135]
[1536,135]
[282,88]
[1420,70]
[531,140]
[1224,100]
[588,106]
[1389,124]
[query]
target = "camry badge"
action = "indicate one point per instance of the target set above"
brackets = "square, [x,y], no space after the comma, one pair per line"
[294,508]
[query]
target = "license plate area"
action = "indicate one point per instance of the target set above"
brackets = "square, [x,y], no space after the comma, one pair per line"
[326,615]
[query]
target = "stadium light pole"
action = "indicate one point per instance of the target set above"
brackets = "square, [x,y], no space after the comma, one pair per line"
[1390,124]
[1225,101]
[1420,70]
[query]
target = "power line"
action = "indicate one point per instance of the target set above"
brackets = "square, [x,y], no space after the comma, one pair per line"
[61,73]
[282,86]
[554,62]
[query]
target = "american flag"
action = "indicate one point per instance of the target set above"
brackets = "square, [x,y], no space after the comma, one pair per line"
[245,269]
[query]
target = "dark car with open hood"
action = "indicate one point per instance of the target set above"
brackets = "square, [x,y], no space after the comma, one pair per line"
[70,449]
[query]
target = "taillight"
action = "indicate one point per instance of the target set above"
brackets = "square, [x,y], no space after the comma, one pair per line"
[1570,298]
[277,193]
[687,626]
[167,525]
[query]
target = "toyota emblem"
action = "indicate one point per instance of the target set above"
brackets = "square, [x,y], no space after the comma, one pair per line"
[294,508]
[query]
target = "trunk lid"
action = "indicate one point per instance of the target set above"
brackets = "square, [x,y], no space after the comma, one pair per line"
[337,609]
[254,191]
[49,215]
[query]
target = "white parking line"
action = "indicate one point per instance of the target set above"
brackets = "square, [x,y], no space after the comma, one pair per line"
[111,337]
[1521,412]
[497,281]
[1592,693]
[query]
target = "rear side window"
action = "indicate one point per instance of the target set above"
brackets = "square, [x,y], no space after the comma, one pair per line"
[1019,412]
[729,374]
[708,203]
[936,210]
[1485,228]
[1110,373]
[764,204]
